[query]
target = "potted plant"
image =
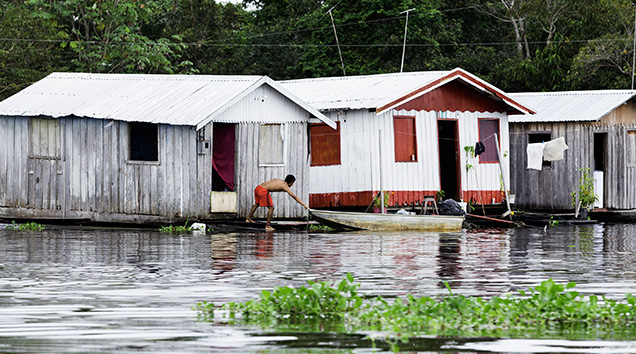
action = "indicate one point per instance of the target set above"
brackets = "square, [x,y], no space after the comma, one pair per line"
[377,202]
[586,196]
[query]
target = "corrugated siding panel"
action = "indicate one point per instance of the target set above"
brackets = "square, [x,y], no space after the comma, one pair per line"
[359,170]
[482,176]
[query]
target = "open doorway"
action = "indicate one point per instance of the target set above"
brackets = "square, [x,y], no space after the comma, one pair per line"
[223,151]
[600,165]
[448,158]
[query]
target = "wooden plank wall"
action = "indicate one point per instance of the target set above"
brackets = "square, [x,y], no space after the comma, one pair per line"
[265,105]
[249,174]
[550,188]
[13,162]
[94,179]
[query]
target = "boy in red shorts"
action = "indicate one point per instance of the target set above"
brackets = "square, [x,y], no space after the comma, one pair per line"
[263,198]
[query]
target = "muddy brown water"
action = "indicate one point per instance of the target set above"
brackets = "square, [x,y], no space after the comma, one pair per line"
[90,290]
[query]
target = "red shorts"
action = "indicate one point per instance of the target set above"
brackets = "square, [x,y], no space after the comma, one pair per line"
[262,196]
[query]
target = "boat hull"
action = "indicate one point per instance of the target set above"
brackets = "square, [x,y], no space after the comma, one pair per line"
[388,222]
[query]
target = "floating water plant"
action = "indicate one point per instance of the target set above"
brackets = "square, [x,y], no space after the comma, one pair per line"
[544,309]
[32,226]
[177,228]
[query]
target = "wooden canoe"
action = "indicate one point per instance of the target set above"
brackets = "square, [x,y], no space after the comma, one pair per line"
[388,222]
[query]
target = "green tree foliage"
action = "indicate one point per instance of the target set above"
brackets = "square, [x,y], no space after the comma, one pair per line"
[29,48]
[520,45]
[106,35]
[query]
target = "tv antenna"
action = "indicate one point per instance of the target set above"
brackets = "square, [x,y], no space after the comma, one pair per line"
[405,29]
[337,43]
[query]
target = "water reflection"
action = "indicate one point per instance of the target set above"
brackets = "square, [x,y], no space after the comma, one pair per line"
[84,286]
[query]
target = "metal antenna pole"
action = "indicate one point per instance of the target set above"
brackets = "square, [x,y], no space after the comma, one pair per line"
[337,43]
[406,25]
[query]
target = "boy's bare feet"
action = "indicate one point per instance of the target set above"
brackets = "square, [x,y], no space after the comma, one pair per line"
[268,228]
[249,220]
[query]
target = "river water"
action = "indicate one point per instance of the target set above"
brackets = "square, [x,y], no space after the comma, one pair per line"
[95,290]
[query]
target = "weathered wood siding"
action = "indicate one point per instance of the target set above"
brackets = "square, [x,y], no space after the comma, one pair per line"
[89,174]
[250,173]
[550,188]
[80,168]
[359,171]
[267,106]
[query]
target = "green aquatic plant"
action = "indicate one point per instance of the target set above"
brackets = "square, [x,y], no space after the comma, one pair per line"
[31,226]
[553,222]
[543,309]
[319,228]
[175,228]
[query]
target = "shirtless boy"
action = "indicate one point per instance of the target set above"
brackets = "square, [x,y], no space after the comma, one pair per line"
[263,198]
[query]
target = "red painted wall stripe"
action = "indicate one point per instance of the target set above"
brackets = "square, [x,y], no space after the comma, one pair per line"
[396,198]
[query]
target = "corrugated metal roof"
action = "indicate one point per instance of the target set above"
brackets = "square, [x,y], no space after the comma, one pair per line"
[383,91]
[359,92]
[570,106]
[163,99]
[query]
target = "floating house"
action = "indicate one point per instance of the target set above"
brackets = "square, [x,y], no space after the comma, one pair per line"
[411,134]
[150,148]
[599,128]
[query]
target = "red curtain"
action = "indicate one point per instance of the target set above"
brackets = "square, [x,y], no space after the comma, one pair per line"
[223,153]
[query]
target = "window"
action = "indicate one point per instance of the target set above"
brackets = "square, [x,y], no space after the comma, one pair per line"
[487,129]
[540,138]
[143,142]
[271,145]
[631,148]
[405,139]
[324,144]
[45,139]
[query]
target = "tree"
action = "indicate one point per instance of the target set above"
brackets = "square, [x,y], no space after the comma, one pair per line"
[106,35]
[29,48]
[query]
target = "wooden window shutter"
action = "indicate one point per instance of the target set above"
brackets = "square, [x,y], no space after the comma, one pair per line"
[487,129]
[405,139]
[325,144]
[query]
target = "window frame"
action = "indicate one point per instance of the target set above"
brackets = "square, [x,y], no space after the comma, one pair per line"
[283,136]
[395,139]
[495,158]
[631,163]
[545,164]
[132,161]
[335,135]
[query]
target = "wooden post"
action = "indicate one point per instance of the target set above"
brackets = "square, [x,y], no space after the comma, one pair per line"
[503,178]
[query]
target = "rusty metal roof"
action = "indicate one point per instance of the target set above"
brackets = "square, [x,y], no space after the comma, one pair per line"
[383,92]
[166,99]
[570,106]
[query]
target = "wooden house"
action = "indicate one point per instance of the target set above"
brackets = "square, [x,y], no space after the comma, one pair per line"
[599,128]
[150,148]
[410,134]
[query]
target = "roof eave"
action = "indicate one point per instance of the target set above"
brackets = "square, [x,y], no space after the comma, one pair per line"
[455,74]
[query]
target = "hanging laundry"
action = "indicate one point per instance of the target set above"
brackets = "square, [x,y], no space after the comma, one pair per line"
[554,149]
[535,156]
[479,148]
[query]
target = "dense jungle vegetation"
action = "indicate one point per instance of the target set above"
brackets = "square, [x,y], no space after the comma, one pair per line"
[518,45]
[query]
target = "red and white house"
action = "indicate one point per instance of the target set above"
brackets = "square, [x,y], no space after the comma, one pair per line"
[409,134]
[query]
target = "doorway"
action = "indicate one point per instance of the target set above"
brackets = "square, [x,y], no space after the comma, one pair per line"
[223,155]
[447,136]
[600,166]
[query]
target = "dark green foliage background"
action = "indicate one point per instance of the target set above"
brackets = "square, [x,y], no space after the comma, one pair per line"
[521,45]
